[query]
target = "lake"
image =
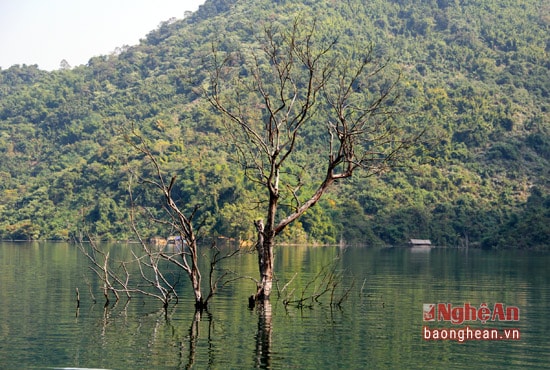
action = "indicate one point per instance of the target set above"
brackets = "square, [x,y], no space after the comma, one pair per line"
[380,325]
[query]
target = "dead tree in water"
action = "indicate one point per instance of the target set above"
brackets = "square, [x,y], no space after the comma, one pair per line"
[101,266]
[115,275]
[296,83]
[187,257]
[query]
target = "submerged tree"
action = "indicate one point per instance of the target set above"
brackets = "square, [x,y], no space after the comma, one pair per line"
[186,255]
[150,259]
[294,87]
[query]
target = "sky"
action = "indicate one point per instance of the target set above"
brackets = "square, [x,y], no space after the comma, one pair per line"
[45,32]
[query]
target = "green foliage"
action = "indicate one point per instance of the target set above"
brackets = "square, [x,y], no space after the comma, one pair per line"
[527,228]
[476,73]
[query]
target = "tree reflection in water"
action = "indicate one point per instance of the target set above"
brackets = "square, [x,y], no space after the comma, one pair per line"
[264,335]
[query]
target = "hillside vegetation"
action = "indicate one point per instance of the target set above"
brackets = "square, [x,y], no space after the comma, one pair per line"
[474,74]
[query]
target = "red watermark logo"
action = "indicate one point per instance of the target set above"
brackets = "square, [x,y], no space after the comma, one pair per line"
[459,314]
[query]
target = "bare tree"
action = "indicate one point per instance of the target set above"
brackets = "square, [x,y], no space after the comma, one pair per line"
[101,266]
[187,255]
[295,83]
[326,282]
[115,275]
[148,259]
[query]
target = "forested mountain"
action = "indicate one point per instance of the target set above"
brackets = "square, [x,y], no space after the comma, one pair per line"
[474,74]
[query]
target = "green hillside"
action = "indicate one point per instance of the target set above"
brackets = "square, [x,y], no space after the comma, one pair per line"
[474,74]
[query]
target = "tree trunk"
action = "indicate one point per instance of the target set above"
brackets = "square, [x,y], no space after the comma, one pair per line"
[264,248]
[195,274]
[266,269]
[196,281]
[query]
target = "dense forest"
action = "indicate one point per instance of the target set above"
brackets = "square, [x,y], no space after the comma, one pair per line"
[475,75]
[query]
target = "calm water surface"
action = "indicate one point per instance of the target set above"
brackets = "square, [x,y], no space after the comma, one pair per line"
[379,326]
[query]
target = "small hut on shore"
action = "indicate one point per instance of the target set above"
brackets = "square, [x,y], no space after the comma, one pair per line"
[420,242]
[157,241]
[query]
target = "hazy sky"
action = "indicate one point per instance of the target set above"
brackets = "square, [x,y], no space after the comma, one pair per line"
[44,32]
